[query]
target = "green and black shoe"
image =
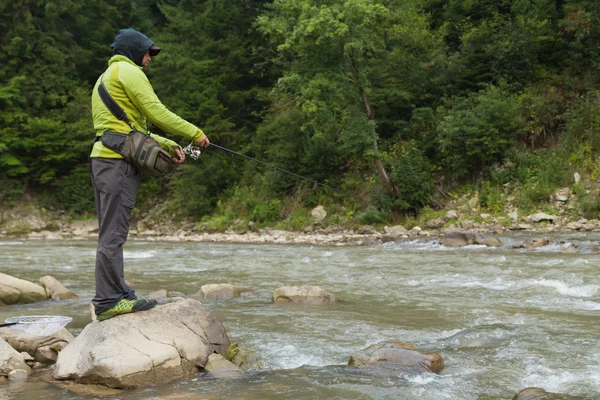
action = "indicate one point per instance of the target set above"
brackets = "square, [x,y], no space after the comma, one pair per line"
[125,307]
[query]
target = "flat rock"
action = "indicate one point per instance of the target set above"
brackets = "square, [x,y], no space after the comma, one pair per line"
[219,291]
[535,393]
[219,367]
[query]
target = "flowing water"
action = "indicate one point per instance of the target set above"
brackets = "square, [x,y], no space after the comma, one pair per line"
[503,319]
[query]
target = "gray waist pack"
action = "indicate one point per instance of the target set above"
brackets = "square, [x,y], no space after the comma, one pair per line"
[138,148]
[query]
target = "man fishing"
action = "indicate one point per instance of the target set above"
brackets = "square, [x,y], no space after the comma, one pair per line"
[116,181]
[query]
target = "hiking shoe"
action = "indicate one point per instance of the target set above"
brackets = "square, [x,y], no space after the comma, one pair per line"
[125,307]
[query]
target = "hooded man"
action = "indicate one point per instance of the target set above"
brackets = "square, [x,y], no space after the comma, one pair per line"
[115,181]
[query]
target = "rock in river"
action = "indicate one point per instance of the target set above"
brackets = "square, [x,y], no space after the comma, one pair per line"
[399,355]
[144,348]
[534,393]
[310,295]
[14,290]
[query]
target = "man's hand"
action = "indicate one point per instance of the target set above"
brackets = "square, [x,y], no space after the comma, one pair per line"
[203,141]
[180,155]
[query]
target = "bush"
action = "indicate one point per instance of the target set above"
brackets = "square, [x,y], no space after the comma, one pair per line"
[372,216]
[412,173]
[476,131]
[75,191]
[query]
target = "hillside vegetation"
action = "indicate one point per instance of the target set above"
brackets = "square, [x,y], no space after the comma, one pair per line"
[402,105]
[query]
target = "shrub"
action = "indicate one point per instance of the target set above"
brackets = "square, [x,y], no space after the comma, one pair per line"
[372,216]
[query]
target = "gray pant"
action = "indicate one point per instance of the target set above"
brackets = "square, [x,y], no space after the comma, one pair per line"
[115,183]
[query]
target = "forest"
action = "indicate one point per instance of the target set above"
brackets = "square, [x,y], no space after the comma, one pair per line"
[401,105]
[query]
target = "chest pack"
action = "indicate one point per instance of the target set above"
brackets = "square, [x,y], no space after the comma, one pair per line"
[138,148]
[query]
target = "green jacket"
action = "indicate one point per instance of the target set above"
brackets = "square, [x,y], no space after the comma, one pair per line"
[129,87]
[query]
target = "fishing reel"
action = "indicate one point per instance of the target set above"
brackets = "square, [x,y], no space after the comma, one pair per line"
[192,150]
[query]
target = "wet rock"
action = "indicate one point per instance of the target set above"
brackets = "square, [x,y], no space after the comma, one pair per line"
[143,348]
[219,291]
[541,217]
[436,223]
[569,250]
[14,290]
[532,244]
[10,359]
[219,367]
[17,375]
[318,213]
[534,393]
[460,239]
[43,349]
[242,357]
[55,290]
[310,295]
[399,355]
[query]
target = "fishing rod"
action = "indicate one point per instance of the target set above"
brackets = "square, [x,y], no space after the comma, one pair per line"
[194,152]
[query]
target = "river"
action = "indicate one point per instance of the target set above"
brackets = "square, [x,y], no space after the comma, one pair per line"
[503,318]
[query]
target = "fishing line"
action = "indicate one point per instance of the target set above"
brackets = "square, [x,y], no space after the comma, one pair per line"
[194,152]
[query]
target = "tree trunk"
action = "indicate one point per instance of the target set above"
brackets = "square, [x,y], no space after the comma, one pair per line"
[390,185]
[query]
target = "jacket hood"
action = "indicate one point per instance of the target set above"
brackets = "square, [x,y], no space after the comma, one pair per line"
[133,45]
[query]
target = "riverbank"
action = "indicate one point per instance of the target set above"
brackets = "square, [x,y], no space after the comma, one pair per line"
[36,224]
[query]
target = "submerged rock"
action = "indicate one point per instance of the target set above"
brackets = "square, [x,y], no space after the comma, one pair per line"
[55,290]
[143,348]
[534,393]
[399,355]
[219,291]
[460,239]
[310,295]
[242,357]
[14,290]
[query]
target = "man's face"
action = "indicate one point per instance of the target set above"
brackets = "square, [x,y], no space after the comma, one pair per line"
[146,60]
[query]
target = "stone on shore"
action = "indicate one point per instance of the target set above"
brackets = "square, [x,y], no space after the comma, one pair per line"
[219,291]
[143,348]
[460,239]
[11,359]
[541,217]
[43,349]
[309,295]
[55,290]
[534,393]
[14,290]
[318,213]
[401,356]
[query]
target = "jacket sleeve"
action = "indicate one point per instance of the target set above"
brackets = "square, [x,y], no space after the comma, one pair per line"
[141,93]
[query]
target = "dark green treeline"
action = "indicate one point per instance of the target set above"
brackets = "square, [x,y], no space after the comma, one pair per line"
[399,103]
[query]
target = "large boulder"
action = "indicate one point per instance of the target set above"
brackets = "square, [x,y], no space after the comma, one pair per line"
[43,349]
[11,359]
[219,291]
[399,355]
[310,295]
[534,393]
[168,342]
[460,239]
[14,290]
[55,290]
